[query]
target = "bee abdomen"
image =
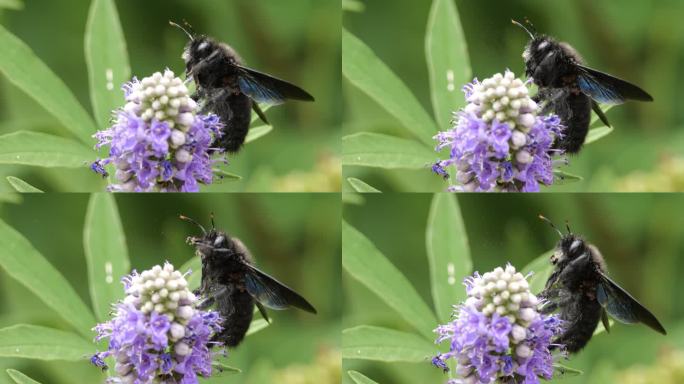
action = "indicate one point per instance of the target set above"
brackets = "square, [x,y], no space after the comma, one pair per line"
[580,320]
[237,316]
[234,110]
[575,114]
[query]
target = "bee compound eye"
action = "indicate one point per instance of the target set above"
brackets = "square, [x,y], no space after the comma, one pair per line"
[219,240]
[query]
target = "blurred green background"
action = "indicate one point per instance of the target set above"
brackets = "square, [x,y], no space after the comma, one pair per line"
[297,40]
[641,41]
[295,238]
[640,236]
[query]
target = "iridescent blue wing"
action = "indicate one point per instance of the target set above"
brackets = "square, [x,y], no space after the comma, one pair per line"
[272,293]
[267,89]
[608,89]
[623,307]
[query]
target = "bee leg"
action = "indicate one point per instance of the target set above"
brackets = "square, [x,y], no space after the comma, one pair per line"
[209,300]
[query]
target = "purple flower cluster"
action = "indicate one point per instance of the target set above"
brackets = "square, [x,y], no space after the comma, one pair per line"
[158,142]
[497,335]
[498,142]
[156,334]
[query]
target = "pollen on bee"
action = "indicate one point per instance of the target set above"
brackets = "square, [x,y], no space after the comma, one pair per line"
[109,75]
[108,273]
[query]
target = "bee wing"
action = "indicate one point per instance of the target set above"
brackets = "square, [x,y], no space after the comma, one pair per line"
[623,307]
[264,88]
[272,293]
[605,88]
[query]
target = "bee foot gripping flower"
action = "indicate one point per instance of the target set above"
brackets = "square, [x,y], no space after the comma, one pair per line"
[498,334]
[158,141]
[157,334]
[499,141]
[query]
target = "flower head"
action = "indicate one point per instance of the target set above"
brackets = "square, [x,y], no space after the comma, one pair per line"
[499,141]
[158,141]
[498,334]
[157,334]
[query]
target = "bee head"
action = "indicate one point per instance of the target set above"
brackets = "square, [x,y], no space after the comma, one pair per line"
[569,248]
[198,50]
[210,240]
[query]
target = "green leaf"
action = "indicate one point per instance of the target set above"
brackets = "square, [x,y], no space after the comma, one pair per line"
[382,344]
[11,4]
[353,6]
[257,132]
[34,342]
[226,175]
[382,151]
[541,269]
[596,134]
[43,150]
[25,264]
[20,378]
[371,268]
[447,60]
[359,378]
[224,368]
[600,328]
[361,186]
[106,58]
[25,70]
[561,177]
[256,326]
[104,244]
[561,371]
[21,186]
[366,71]
[448,254]
[193,279]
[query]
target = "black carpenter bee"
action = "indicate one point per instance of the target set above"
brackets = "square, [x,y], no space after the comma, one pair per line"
[570,89]
[227,88]
[232,283]
[581,291]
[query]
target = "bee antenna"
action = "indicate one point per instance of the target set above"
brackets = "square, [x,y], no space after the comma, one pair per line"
[567,226]
[213,226]
[185,218]
[532,32]
[552,225]
[190,35]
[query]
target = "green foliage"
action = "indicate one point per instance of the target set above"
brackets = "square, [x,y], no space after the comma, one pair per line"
[107,63]
[20,378]
[22,186]
[359,378]
[382,151]
[361,186]
[107,59]
[448,63]
[449,260]
[34,342]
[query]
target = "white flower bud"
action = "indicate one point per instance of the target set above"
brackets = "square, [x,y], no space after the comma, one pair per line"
[518,333]
[177,331]
[518,139]
[523,351]
[174,296]
[185,312]
[523,157]
[181,349]
[527,314]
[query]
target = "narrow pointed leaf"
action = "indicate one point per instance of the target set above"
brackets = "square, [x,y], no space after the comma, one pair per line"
[257,132]
[383,151]
[561,371]
[596,134]
[365,263]
[224,368]
[11,4]
[448,254]
[360,378]
[226,175]
[25,70]
[541,269]
[43,150]
[42,343]
[21,186]
[20,378]
[367,72]
[447,60]
[256,326]
[561,177]
[106,58]
[25,264]
[104,243]
[383,344]
[361,186]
